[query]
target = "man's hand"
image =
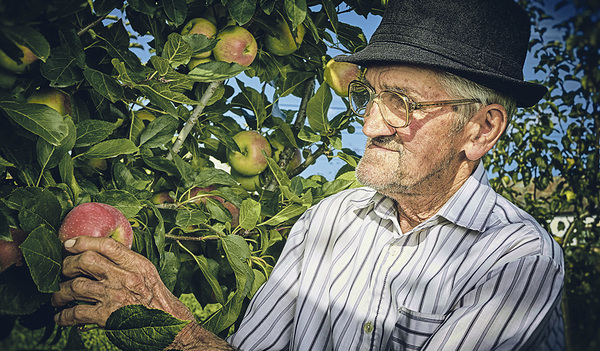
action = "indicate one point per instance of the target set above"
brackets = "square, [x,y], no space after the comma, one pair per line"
[107,274]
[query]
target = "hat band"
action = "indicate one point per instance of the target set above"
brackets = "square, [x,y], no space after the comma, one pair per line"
[465,54]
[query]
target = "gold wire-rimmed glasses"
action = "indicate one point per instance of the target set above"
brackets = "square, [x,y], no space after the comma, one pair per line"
[396,107]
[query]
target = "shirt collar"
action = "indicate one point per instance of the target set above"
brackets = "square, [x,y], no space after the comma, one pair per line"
[470,207]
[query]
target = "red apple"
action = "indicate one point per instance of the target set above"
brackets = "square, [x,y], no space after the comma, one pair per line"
[235,44]
[97,220]
[10,253]
[200,26]
[250,161]
[339,74]
[162,198]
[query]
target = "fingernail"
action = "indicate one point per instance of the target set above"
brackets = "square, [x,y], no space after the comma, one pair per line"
[56,318]
[69,243]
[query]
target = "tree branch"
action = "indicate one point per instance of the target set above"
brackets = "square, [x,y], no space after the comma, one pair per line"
[185,131]
[91,25]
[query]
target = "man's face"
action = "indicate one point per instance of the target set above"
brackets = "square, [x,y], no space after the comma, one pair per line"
[423,155]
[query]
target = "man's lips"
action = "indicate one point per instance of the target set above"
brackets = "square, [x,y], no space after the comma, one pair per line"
[374,146]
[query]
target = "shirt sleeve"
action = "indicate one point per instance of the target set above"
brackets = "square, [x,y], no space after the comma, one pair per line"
[268,322]
[513,308]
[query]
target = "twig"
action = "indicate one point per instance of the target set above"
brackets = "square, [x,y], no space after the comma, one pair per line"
[91,25]
[187,128]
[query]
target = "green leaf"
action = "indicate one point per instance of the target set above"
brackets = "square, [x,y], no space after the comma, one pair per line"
[307,134]
[159,132]
[176,11]
[18,293]
[289,212]
[203,264]
[214,71]
[187,217]
[296,11]
[62,68]
[36,207]
[329,8]
[237,253]
[123,200]
[38,119]
[177,51]
[29,37]
[253,100]
[249,214]
[280,175]
[317,110]
[48,155]
[42,251]
[135,327]
[259,280]
[67,174]
[93,131]
[168,270]
[104,84]
[212,176]
[241,10]
[111,148]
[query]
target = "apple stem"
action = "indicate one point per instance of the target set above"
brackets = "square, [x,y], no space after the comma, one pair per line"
[187,128]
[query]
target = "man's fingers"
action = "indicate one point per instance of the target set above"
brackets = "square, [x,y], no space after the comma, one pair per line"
[88,263]
[107,247]
[81,314]
[78,289]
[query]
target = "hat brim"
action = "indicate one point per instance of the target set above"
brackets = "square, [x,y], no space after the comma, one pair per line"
[525,93]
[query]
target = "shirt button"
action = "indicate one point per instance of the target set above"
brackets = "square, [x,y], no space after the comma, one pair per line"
[394,250]
[368,327]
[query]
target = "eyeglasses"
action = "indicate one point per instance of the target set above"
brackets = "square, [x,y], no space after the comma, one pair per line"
[396,108]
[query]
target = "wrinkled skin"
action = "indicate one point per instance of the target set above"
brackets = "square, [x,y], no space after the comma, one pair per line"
[108,275]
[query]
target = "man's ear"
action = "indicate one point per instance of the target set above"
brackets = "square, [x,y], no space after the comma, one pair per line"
[484,129]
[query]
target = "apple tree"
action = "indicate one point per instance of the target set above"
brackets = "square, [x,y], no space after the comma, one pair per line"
[136,104]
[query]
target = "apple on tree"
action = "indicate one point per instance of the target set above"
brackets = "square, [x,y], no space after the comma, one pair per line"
[53,98]
[96,219]
[200,26]
[10,253]
[251,183]
[339,75]
[236,44]
[14,66]
[284,42]
[249,161]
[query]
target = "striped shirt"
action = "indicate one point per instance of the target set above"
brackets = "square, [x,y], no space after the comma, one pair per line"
[481,274]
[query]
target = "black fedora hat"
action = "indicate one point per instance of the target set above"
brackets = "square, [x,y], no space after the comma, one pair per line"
[484,41]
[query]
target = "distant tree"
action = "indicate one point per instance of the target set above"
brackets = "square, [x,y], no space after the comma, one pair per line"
[548,160]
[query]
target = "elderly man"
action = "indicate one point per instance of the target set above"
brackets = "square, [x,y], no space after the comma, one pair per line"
[427,256]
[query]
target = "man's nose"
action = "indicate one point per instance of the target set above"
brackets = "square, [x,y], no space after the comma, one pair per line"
[374,125]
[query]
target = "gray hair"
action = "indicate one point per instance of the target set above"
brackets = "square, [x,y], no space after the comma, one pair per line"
[462,88]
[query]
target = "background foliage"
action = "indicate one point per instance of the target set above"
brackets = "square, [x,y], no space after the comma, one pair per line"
[547,162]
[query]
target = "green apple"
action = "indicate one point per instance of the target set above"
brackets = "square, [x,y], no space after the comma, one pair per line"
[251,183]
[284,42]
[53,98]
[14,66]
[236,44]
[200,26]
[339,74]
[250,161]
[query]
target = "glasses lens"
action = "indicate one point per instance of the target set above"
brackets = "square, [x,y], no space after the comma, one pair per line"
[359,96]
[397,108]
